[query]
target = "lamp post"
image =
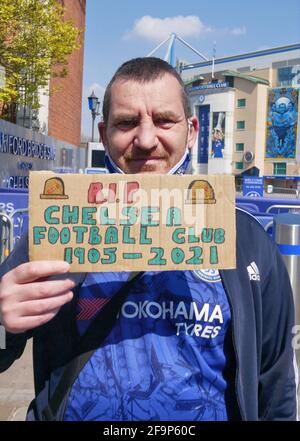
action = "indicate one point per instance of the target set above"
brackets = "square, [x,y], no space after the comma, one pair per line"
[94,104]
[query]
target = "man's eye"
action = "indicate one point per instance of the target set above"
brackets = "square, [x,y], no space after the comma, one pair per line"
[164,122]
[125,124]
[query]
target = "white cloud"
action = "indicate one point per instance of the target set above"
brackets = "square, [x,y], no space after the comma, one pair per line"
[158,29]
[238,31]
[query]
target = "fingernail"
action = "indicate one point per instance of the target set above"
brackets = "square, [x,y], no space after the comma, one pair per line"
[65,266]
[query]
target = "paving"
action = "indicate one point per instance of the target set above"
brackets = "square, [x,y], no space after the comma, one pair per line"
[16,388]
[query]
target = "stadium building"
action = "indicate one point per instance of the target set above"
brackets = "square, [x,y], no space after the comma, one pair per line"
[248,108]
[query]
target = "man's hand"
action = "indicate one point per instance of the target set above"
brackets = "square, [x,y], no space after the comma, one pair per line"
[28,299]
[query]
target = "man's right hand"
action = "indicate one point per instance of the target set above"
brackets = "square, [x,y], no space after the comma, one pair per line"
[28,299]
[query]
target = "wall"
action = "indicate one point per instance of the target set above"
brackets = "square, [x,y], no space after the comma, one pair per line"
[261,121]
[254,115]
[65,106]
[244,89]
[23,150]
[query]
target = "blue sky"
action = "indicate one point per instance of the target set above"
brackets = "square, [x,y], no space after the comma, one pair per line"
[117,30]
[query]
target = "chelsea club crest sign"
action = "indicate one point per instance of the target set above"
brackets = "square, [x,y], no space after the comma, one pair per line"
[209,275]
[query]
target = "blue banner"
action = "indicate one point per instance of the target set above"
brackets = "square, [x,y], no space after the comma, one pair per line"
[282,123]
[218,85]
[203,136]
[218,137]
[253,186]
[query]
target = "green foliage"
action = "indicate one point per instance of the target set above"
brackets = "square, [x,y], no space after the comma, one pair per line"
[35,37]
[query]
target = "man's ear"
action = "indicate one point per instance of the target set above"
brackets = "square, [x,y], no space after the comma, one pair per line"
[193,131]
[102,133]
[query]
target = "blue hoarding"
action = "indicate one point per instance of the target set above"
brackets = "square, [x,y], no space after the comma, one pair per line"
[253,186]
[203,136]
[282,123]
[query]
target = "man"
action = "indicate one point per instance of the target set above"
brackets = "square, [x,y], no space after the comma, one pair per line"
[217,144]
[152,366]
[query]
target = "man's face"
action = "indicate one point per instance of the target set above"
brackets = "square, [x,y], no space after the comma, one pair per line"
[147,130]
[282,108]
[217,134]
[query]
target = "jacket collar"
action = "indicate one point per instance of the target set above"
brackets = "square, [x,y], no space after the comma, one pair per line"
[182,167]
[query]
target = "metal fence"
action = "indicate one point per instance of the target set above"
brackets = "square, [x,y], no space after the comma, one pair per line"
[6,236]
[265,209]
[12,226]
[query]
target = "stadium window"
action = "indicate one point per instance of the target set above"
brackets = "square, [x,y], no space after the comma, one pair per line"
[241,102]
[239,147]
[239,165]
[288,76]
[279,168]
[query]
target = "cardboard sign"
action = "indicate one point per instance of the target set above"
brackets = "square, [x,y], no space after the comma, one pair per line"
[132,222]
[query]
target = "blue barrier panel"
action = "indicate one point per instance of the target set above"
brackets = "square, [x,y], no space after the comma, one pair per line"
[253,186]
[254,205]
[12,199]
[247,206]
[289,250]
[266,220]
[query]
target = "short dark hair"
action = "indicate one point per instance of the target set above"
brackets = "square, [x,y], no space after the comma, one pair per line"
[144,70]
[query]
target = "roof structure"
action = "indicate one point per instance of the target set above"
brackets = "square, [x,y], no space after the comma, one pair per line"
[257,80]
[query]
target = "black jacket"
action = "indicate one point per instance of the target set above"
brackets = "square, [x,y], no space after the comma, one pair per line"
[262,311]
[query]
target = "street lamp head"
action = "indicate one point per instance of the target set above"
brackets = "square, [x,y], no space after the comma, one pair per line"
[94,105]
[93,102]
[98,107]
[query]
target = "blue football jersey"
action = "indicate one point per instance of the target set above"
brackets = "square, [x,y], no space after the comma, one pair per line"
[164,358]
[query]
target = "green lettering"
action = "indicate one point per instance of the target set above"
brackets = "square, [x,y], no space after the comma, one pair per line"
[146,216]
[173,217]
[131,213]
[144,240]
[219,235]
[207,235]
[104,217]
[70,215]
[87,215]
[80,231]
[38,234]
[213,255]
[111,235]
[53,235]
[132,255]
[48,212]
[158,258]
[68,255]
[65,235]
[94,237]
[192,238]
[196,258]
[177,255]
[175,234]
[79,253]
[93,255]
[111,254]
[126,236]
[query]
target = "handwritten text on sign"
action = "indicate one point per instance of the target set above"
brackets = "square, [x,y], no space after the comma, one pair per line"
[132,222]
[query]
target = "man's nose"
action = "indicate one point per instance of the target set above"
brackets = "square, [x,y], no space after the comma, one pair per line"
[145,137]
